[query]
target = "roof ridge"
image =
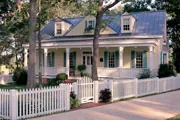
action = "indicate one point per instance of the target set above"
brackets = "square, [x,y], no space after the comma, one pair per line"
[148,11]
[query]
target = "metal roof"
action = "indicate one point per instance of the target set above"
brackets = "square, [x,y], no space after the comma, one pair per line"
[147,23]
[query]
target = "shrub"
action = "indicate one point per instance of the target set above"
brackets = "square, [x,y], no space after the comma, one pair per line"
[61,77]
[20,76]
[145,73]
[87,75]
[52,82]
[166,70]
[105,95]
[81,68]
[74,102]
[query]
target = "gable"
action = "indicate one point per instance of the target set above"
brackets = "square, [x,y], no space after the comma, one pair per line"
[79,29]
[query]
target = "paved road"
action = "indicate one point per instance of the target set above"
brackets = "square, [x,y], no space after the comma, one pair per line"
[157,107]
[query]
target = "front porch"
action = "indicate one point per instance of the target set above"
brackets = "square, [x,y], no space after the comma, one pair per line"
[115,62]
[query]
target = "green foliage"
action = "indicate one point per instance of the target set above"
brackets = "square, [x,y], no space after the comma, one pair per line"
[81,68]
[61,76]
[138,5]
[89,29]
[52,82]
[74,102]
[146,73]
[166,70]
[105,95]
[20,76]
[86,75]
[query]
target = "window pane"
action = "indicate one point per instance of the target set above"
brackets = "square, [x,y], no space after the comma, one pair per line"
[139,60]
[111,59]
[58,28]
[126,24]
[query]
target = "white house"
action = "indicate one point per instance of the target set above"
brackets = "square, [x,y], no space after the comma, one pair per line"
[128,43]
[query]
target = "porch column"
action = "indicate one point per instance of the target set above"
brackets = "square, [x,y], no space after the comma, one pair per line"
[45,60]
[121,49]
[25,57]
[151,57]
[67,61]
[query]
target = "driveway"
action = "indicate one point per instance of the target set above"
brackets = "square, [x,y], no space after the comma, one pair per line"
[157,107]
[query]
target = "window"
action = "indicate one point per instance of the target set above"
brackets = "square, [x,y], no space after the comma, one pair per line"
[126,24]
[111,59]
[49,60]
[139,60]
[165,58]
[87,58]
[58,28]
[89,25]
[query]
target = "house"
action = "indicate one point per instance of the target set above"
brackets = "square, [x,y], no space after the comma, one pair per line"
[128,43]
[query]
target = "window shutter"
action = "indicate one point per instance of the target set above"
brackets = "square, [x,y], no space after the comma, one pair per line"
[74,60]
[85,25]
[64,59]
[105,59]
[161,58]
[132,59]
[52,59]
[117,58]
[145,59]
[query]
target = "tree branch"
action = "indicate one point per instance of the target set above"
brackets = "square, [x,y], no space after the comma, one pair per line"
[111,5]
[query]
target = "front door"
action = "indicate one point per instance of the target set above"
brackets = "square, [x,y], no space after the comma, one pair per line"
[87,60]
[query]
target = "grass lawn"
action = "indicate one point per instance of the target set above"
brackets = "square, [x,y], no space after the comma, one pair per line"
[177,117]
[12,86]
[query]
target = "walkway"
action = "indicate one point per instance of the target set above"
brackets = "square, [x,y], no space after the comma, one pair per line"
[157,107]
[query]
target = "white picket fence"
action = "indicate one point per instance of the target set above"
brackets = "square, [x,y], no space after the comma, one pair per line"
[122,89]
[34,102]
[28,103]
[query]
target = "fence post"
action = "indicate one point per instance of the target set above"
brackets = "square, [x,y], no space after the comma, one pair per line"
[136,87]
[157,84]
[96,91]
[13,101]
[111,89]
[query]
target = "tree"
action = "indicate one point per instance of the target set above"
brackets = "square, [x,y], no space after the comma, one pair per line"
[32,44]
[102,7]
[173,23]
[138,5]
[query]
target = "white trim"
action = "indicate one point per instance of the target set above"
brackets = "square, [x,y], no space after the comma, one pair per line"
[109,43]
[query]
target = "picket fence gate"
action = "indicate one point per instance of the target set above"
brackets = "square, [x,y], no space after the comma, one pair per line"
[84,89]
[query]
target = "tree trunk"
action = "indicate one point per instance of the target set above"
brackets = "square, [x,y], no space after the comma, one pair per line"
[96,44]
[32,45]
[39,44]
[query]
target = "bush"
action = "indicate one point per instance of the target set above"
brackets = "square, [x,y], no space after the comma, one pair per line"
[105,95]
[52,82]
[81,68]
[146,73]
[74,102]
[20,76]
[61,77]
[166,70]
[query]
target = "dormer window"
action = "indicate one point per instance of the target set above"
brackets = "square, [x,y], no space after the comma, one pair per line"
[89,25]
[58,28]
[126,24]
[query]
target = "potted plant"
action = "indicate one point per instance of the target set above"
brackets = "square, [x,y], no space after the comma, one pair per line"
[81,68]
